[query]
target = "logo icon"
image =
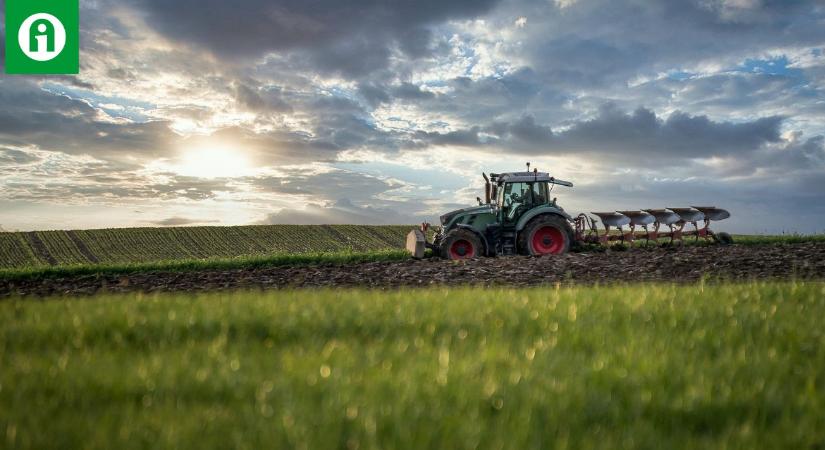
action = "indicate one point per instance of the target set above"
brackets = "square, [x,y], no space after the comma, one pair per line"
[42,37]
[47,37]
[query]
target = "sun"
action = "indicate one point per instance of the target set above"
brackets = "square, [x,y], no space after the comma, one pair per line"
[214,162]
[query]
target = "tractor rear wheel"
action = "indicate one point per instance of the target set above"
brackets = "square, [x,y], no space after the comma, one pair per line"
[461,244]
[546,235]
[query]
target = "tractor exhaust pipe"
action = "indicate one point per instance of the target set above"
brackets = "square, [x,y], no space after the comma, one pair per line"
[487,188]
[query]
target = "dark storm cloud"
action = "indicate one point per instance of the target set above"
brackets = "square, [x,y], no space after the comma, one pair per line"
[29,115]
[409,91]
[621,135]
[680,135]
[376,94]
[11,157]
[802,158]
[351,37]
[498,97]
[260,99]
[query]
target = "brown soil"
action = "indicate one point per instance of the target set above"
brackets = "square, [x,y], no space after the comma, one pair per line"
[681,264]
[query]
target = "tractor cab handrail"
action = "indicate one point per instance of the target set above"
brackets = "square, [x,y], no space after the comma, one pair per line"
[527,177]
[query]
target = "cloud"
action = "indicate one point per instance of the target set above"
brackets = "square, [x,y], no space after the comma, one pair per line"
[342,211]
[31,116]
[260,99]
[601,43]
[614,134]
[181,221]
[679,136]
[800,157]
[12,157]
[348,37]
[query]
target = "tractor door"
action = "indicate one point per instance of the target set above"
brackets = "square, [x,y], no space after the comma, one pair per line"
[541,195]
[517,199]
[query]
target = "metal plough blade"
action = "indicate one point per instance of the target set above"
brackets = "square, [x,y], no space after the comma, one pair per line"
[689,214]
[613,219]
[663,216]
[640,218]
[713,213]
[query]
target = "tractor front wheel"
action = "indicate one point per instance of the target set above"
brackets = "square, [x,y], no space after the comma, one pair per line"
[461,244]
[546,235]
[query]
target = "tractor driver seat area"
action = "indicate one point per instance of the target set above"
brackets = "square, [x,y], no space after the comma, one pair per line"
[515,211]
[513,205]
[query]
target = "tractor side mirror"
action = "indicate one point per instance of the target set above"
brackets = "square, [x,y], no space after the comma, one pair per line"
[479,201]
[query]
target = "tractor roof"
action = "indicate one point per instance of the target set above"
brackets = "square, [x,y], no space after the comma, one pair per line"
[524,177]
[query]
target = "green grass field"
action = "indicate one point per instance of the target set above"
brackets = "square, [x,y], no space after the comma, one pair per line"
[639,366]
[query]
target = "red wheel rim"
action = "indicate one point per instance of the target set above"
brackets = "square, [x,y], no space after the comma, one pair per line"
[462,249]
[548,240]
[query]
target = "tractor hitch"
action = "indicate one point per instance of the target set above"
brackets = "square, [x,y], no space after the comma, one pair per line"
[417,243]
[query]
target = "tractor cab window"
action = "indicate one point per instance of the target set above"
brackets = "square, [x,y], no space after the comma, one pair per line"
[516,199]
[540,194]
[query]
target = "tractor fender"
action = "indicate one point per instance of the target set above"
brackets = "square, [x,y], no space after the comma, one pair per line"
[529,215]
[480,235]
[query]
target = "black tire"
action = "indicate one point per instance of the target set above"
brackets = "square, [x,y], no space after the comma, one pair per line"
[461,244]
[723,238]
[555,236]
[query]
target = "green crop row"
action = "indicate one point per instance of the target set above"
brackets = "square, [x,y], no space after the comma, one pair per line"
[145,245]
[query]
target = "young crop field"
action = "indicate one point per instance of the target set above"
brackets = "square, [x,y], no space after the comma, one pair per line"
[628,366]
[147,245]
[136,249]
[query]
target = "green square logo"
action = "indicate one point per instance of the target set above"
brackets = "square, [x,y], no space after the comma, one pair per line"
[42,37]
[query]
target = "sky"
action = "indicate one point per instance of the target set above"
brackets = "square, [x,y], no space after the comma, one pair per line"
[210,112]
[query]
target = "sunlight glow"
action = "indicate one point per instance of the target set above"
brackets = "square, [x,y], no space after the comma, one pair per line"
[214,162]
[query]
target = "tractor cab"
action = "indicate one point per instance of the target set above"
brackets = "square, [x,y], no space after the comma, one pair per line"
[520,192]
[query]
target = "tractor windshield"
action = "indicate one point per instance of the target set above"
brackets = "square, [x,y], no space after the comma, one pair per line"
[516,198]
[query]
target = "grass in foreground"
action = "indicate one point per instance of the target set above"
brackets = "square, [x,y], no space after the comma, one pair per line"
[642,366]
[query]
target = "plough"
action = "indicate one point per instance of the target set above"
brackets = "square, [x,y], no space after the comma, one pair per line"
[675,219]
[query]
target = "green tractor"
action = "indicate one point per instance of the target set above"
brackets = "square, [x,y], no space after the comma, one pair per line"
[518,216]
